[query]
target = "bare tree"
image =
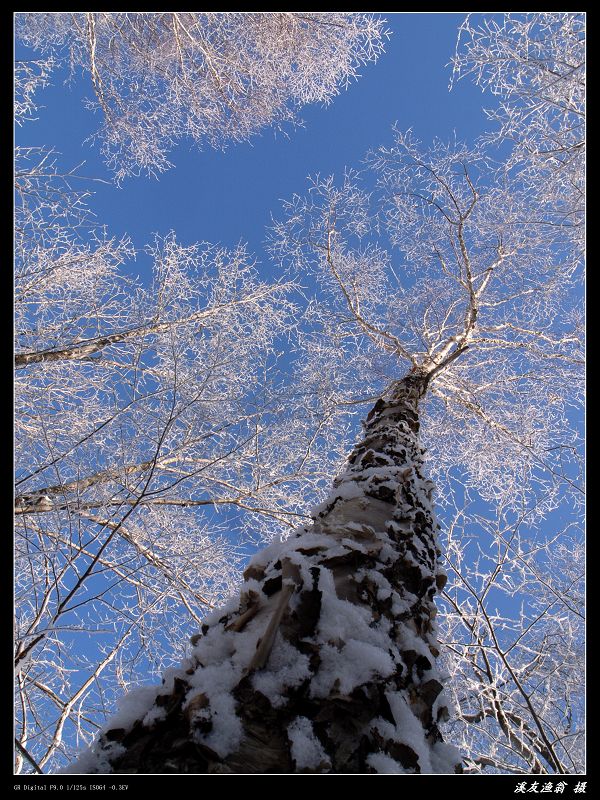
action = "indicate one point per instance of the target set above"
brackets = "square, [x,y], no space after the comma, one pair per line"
[330,653]
[448,292]
[520,695]
[535,64]
[29,77]
[513,627]
[140,406]
[327,663]
[212,77]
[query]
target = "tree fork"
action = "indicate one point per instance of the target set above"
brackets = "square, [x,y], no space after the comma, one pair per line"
[327,663]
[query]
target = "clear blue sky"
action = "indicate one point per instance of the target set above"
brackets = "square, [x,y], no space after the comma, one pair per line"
[229,196]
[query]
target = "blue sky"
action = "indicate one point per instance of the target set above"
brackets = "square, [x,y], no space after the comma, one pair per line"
[228,197]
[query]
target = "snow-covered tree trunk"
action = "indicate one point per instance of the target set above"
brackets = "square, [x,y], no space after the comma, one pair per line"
[328,661]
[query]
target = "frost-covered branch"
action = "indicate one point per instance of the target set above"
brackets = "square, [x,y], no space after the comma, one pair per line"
[213,77]
[154,440]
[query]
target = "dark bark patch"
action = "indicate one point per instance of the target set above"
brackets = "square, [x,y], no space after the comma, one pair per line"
[404,575]
[377,408]
[272,586]
[172,702]
[430,690]
[384,707]
[441,580]
[404,754]
[135,751]
[254,572]
[409,657]
[309,551]
[115,735]
[353,558]
[384,493]
[422,663]
[308,611]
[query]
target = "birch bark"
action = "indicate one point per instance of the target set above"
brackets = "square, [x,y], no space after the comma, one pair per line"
[327,663]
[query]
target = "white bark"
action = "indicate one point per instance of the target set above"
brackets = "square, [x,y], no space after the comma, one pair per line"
[328,661]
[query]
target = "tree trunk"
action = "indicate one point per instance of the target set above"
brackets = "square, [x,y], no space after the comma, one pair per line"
[327,661]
